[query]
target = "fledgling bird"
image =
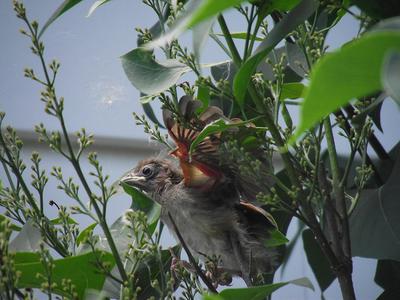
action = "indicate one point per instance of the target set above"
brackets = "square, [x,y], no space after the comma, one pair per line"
[203,200]
[213,223]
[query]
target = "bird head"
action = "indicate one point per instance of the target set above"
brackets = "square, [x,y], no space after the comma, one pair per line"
[151,175]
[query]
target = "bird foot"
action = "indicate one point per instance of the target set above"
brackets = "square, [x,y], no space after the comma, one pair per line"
[177,268]
[217,275]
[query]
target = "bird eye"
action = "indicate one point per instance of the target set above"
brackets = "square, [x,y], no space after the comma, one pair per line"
[147,171]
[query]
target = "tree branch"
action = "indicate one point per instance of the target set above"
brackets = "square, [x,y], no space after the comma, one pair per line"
[191,258]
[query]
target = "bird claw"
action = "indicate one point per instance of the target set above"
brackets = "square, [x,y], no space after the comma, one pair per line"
[220,278]
[217,275]
[177,265]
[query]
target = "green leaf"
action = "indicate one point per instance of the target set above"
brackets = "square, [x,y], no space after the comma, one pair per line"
[148,110]
[268,6]
[64,7]
[297,59]
[95,5]
[283,5]
[200,35]
[317,261]
[26,257]
[378,9]
[292,90]
[352,72]
[214,127]
[80,270]
[242,36]
[85,233]
[256,293]
[374,223]
[58,221]
[387,276]
[276,238]
[391,75]
[194,13]
[141,202]
[209,8]
[28,239]
[289,22]
[203,94]
[225,71]
[148,75]
[387,24]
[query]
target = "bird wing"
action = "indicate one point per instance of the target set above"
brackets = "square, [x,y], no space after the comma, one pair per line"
[256,215]
[200,169]
[257,222]
[210,162]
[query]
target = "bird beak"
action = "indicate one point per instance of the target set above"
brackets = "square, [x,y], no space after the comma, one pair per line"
[132,180]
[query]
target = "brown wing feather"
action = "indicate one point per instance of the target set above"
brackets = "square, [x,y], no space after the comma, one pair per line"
[202,166]
[255,214]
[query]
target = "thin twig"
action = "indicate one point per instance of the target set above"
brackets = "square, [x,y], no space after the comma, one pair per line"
[191,258]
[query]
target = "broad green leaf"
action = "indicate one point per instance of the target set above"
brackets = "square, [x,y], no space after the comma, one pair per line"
[374,223]
[209,8]
[242,36]
[203,94]
[387,276]
[276,238]
[387,24]
[141,202]
[283,5]
[200,35]
[378,9]
[257,292]
[148,75]
[95,5]
[292,90]
[148,110]
[351,72]
[225,71]
[152,77]
[65,6]
[297,59]
[28,239]
[289,22]
[26,257]
[12,226]
[269,6]
[84,234]
[81,270]
[391,75]
[195,12]
[214,127]
[58,221]
[317,261]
